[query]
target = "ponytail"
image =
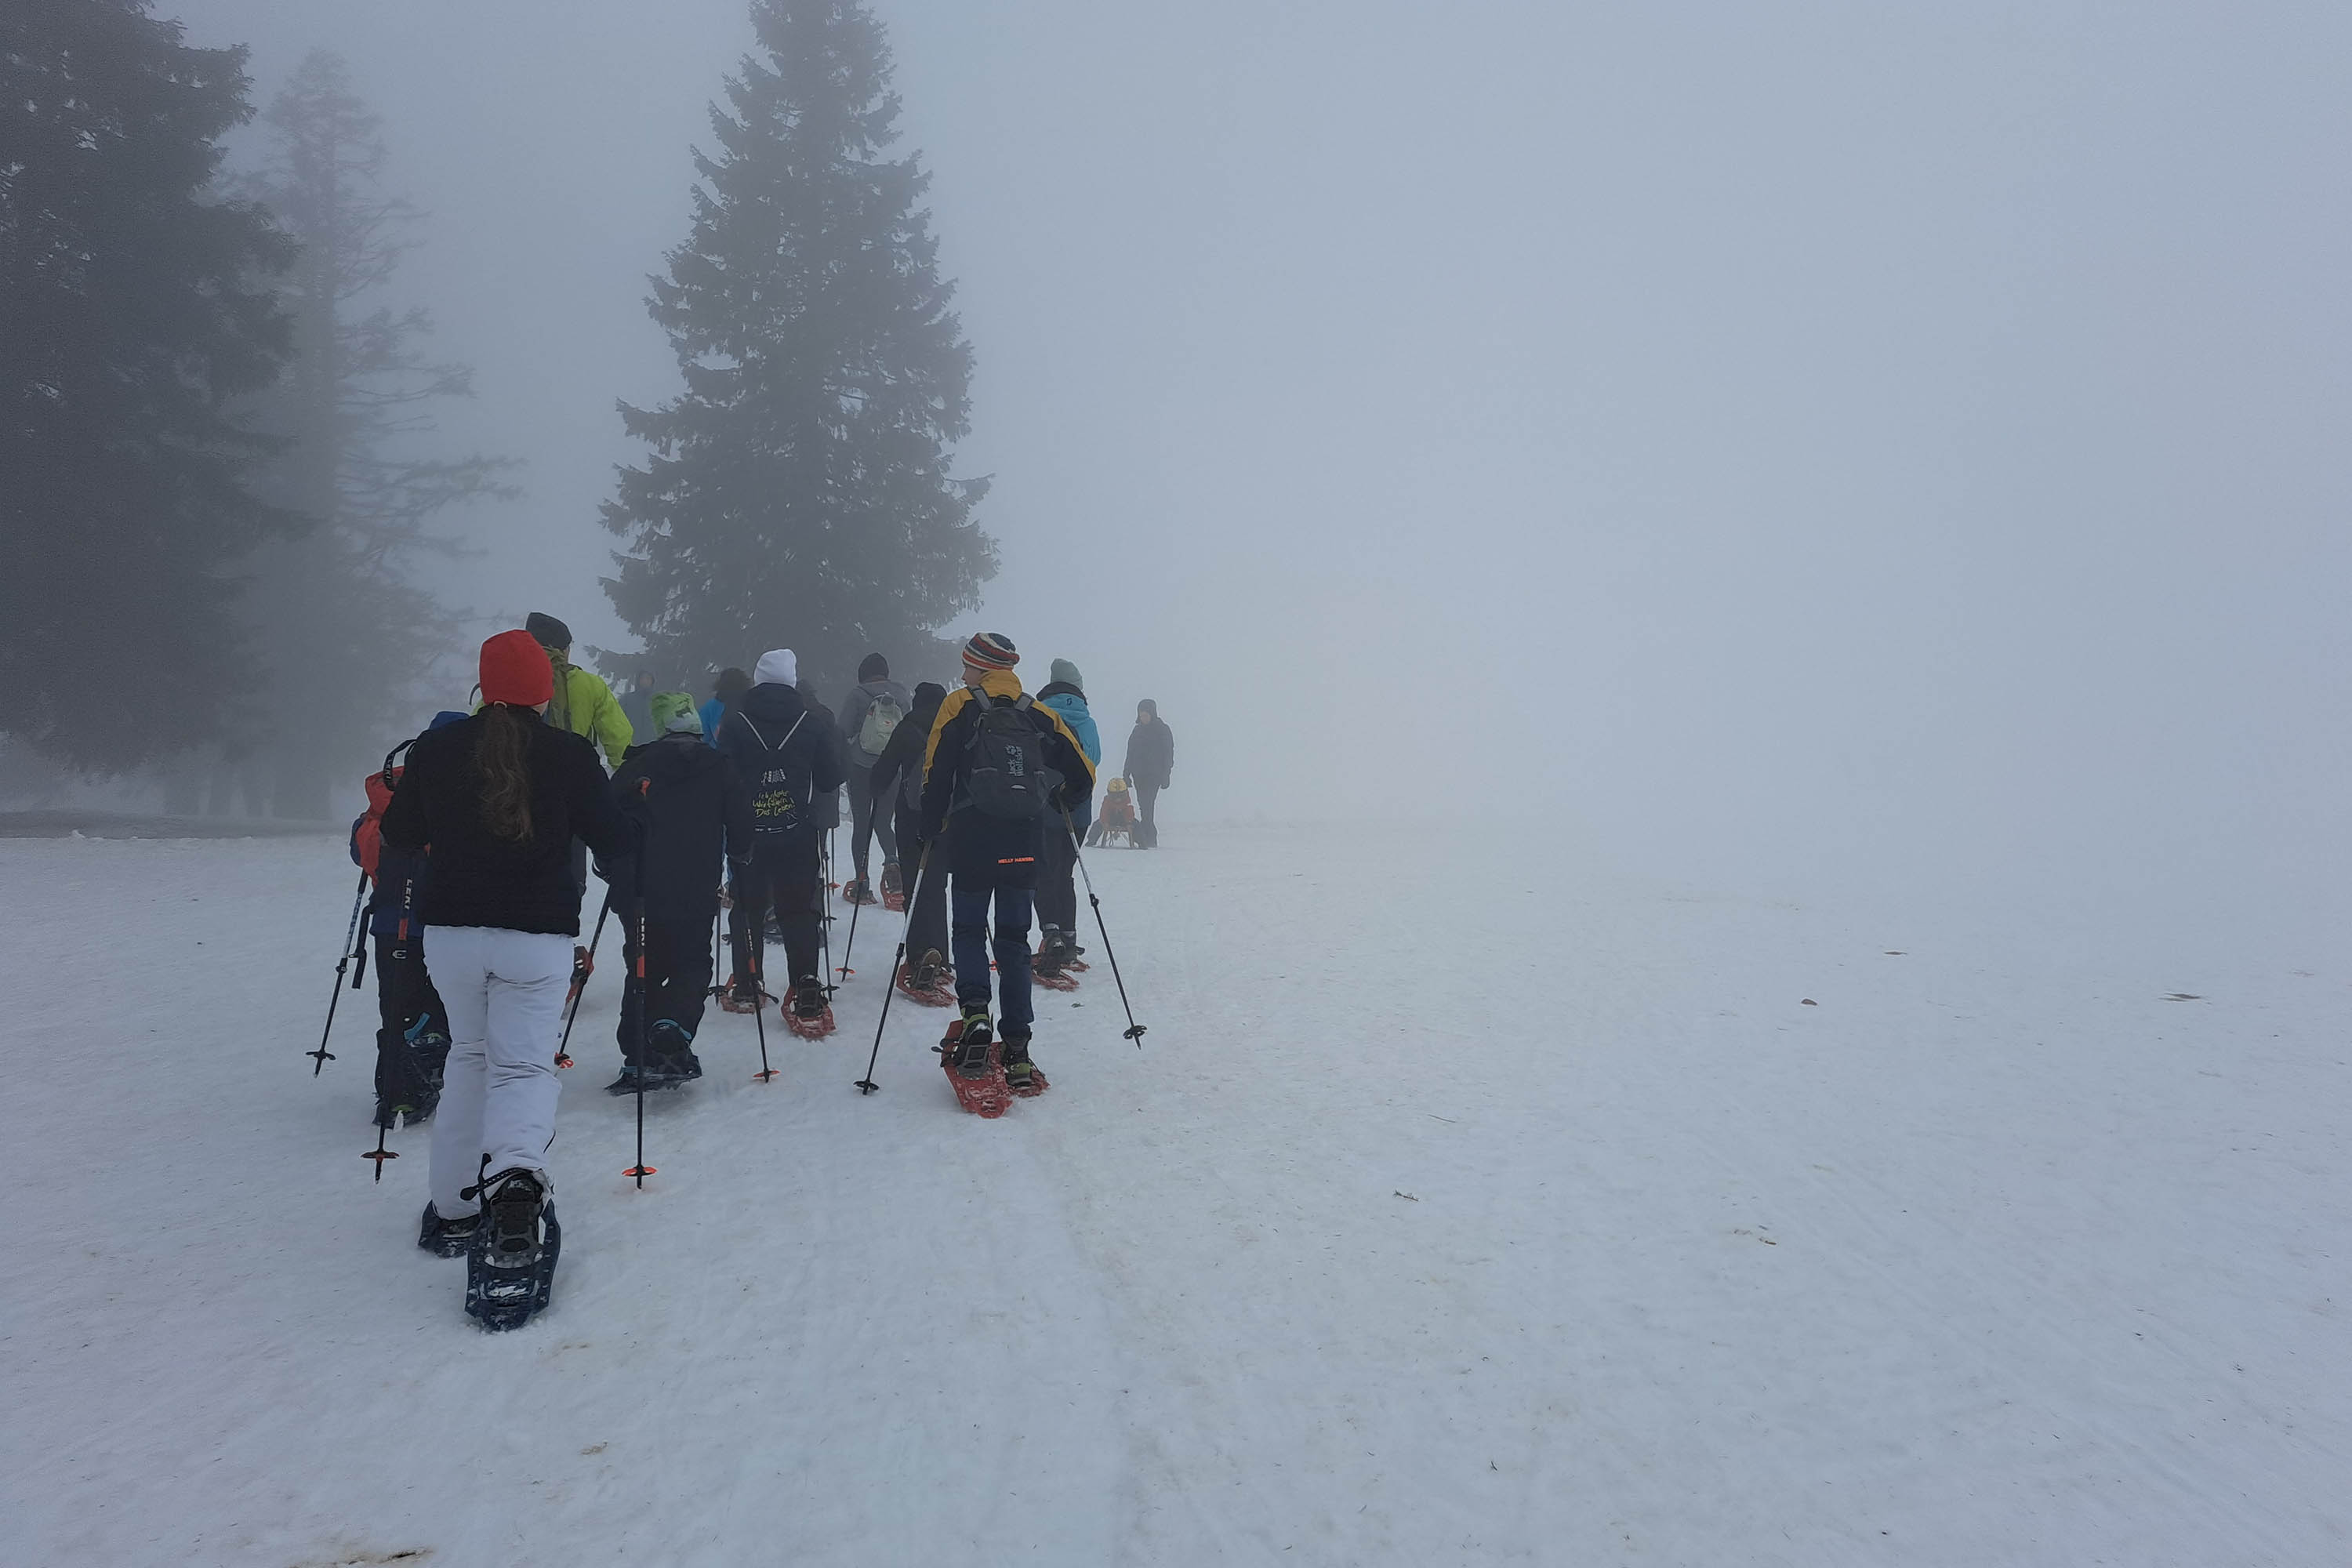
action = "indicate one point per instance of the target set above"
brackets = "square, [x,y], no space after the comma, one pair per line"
[501,758]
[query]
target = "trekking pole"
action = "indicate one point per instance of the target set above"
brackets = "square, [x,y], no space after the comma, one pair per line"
[849,947]
[562,1046]
[898,966]
[640,1170]
[1134,1029]
[824,908]
[342,963]
[759,1006]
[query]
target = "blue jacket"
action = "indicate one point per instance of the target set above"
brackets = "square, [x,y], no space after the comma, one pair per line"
[712,711]
[1071,703]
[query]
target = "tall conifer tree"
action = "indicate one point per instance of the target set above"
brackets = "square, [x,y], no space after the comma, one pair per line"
[798,492]
[135,309]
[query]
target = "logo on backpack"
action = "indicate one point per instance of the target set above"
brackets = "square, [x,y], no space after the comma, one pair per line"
[1005,762]
[882,721]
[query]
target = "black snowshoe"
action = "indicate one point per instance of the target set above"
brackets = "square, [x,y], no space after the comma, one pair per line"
[511,1270]
[447,1237]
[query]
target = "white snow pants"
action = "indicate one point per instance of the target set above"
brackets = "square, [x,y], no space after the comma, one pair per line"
[504,992]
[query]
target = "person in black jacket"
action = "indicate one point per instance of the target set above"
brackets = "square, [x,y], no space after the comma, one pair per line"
[1150,760]
[693,809]
[896,781]
[790,757]
[498,798]
[994,844]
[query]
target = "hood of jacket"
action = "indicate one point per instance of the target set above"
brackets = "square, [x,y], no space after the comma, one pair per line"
[675,757]
[773,707]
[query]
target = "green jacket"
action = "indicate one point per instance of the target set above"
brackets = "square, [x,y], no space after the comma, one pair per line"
[584,705]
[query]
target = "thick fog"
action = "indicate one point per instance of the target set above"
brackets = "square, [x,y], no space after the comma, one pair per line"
[1760,438]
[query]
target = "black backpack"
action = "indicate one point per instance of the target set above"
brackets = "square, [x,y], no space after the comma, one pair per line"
[1005,761]
[774,809]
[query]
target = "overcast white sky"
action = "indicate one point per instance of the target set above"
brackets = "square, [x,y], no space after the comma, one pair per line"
[1904,433]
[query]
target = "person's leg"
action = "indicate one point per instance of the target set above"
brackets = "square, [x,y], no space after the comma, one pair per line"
[1013,1015]
[885,833]
[795,892]
[968,930]
[750,919]
[461,974]
[528,975]
[1057,892]
[861,818]
[624,1027]
[682,948]
[1146,829]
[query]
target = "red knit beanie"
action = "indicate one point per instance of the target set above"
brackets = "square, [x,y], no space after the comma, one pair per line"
[515,670]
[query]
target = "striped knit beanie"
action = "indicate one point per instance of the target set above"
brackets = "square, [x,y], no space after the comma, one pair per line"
[990,650]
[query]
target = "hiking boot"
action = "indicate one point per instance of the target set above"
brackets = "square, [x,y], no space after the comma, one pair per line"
[808,999]
[511,1268]
[1055,951]
[968,1041]
[891,880]
[929,970]
[1014,1052]
[446,1238]
[669,1053]
[858,892]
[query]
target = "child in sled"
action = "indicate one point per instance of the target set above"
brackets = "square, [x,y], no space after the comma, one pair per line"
[1117,818]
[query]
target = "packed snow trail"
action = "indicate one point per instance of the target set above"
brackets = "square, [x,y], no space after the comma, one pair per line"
[1455,1210]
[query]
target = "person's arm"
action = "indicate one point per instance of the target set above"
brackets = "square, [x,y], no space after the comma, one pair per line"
[938,772]
[735,812]
[1167,768]
[853,710]
[595,809]
[609,724]
[827,767]
[403,824]
[883,778]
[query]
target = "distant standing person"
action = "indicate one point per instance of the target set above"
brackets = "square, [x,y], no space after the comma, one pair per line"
[499,797]
[1057,892]
[725,692]
[1150,760]
[871,714]
[636,706]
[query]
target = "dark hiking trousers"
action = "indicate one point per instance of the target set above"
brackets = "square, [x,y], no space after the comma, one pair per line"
[866,824]
[783,877]
[1057,873]
[403,991]
[969,907]
[927,909]
[677,982]
[1145,829]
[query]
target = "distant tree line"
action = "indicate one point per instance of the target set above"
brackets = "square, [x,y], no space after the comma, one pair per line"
[220,469]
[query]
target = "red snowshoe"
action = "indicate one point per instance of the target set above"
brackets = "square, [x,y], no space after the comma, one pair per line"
[973,1069]
[808,1014]
[928,980]
[858,892]
[1055,957]
[738,996]
[894,890]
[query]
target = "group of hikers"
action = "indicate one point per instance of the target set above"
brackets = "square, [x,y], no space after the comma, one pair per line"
[478,843]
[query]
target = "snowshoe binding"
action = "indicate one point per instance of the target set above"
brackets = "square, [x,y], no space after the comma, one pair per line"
[808,1014]
[511,1270]
[859,892]
[968,1054]
[1021,1074]
[928,980]
[894,889]
[447,1237]
[670,1062]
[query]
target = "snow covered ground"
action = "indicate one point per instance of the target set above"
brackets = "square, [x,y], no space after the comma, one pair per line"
[1461,1208]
